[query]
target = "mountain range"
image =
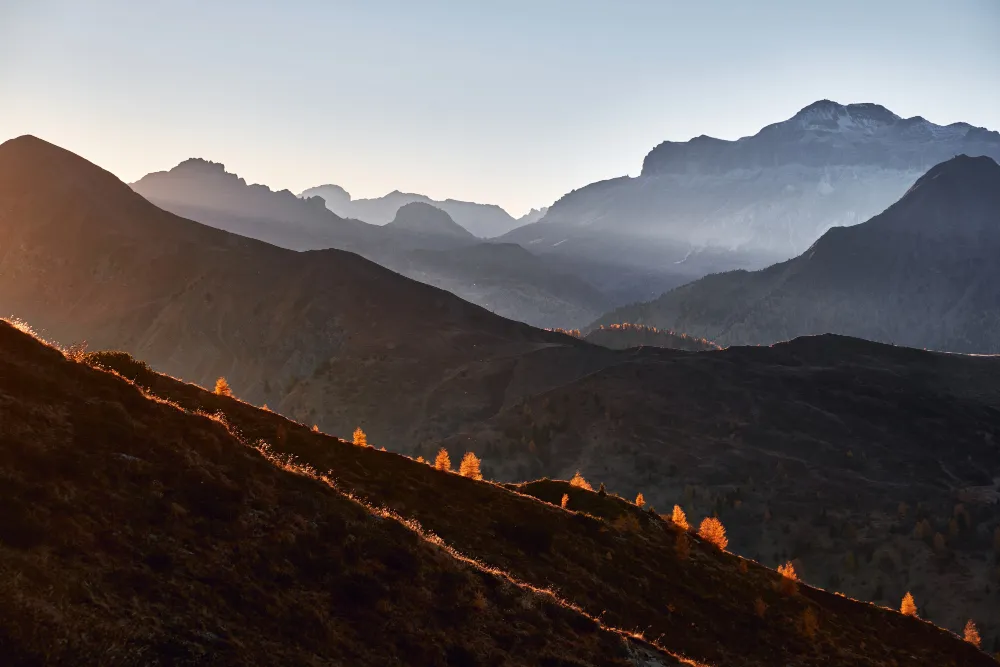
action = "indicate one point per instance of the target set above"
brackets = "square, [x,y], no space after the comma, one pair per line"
[923,274]
[849,458]
[419,241]
[482,220]
[698,207]
[709,205]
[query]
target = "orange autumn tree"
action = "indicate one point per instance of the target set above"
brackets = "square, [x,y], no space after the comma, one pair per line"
[712,530]
[679,518]
[222,387]
[579,482]
[470,466]
[971,634]
[908,606]
[360,439]
[788,583]
[443,461]
[639,500]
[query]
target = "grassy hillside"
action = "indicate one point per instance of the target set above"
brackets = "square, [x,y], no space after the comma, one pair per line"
[186,508]
[138,532]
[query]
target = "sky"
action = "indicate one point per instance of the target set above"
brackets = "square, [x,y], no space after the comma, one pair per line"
[509,102]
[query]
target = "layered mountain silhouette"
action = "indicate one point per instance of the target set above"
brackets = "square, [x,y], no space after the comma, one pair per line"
[318,334]
[807,451]
[710,205]
[482,220]
[922,274]
[206,192]
[169,525]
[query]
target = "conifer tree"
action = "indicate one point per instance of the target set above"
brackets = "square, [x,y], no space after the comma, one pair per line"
[679,518]
[222,387]
[908,606]
[470,466]
[360,439]
[443,461]
[971,634]
[580,482]
[639,500]
[712,530]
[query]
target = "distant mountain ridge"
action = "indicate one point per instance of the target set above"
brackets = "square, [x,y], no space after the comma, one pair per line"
[416,242]
[826,134]
[426,219]
[482,220]
[921,274]
[709,205]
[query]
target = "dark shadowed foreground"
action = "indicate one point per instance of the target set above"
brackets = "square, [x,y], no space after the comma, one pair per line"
[140,528]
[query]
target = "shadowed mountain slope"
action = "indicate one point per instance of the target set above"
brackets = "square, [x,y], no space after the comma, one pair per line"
[827,450]
[136,532]
[319,334]
[923,274]
[353,584]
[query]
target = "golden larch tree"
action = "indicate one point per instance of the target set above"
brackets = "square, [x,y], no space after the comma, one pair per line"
[580,482]
[222,387]
[679,518]
[908,606]
[360,439]
[443,461]
[470,466]
[712,530]
[788,583]
[971,634]
[639,500]
[788,571]
[565,501]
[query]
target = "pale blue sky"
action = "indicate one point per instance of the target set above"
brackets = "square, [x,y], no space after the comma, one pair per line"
[513,102]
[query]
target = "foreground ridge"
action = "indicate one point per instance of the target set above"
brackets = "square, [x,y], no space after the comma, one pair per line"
[603,555]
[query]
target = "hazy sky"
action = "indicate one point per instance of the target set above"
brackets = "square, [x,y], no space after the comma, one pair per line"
[510,102]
